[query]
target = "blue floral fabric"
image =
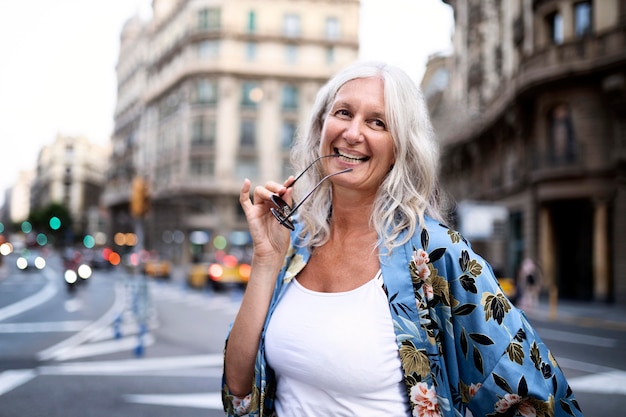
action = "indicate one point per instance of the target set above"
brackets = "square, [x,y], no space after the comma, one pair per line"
[465,349]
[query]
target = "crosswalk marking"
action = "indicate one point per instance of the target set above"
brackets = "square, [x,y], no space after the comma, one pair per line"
[44,326]
[605,383]
[14,378]
[582,339]
[209,400]
[125,366]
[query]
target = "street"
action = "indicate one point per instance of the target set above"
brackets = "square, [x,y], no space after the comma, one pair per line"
[84,354]
[124,346]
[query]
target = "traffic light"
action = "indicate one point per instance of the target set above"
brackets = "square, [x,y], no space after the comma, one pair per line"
[139,198]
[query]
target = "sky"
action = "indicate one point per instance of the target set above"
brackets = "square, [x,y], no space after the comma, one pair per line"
[57,64]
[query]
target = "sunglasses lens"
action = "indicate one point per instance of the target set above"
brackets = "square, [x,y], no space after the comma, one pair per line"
[281,219]
[283,211]
[281,205]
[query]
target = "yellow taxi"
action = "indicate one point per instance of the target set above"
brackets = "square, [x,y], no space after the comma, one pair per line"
[158,268]
[508,287]
[227,272]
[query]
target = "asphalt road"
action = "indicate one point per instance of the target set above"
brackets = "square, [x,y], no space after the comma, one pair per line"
[106,350]
[125,346]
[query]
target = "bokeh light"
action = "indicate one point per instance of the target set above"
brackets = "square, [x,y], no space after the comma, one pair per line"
[42,239]
[27,227]
[89,241]
[219,242]
[55,223]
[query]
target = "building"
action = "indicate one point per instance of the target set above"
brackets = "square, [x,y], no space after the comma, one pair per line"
[70,172]
[210,93]
[534,120]
[18,197]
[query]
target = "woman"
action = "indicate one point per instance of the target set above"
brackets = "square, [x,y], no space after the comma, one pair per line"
[372,306]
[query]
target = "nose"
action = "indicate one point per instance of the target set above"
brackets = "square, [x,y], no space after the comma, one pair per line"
[353,133]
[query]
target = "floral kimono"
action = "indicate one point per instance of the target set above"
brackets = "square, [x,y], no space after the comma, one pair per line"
[465,349]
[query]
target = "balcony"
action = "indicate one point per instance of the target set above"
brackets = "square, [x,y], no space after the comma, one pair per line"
[580,56]
[548,166]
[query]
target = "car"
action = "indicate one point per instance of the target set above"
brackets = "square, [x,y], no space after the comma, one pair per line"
[219,275]
[158,268]
[31,259]
[508,287]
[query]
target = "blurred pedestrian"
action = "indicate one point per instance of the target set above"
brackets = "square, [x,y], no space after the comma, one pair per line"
[372,306]
[529,281]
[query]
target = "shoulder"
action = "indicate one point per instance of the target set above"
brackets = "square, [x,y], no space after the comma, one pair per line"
[436,235]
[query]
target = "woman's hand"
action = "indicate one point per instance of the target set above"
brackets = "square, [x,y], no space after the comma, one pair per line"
[270,243]
[270,239]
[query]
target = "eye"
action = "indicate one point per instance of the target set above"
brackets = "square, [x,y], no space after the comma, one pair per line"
[378,124]
[343,113]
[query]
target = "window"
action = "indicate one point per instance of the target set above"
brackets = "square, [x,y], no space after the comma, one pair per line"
[562,144]
[330,55]
[209,19]
[69,152]
[251,94]
[246,168]
[290,97]
[247,138]
[291,25]
[582,19]
[201,168]
[205,92]
[287,135]
[291,54]
[251,21]
[208,49]
[203,131]
[555,26]
[251,51]
[332,29]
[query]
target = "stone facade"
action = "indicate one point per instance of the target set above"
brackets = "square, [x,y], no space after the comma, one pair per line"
[210,93]
[533,119]
[71,171]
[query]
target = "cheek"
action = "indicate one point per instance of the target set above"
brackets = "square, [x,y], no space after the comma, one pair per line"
[329,133]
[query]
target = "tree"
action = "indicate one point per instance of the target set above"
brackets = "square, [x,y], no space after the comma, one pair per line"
[41,221]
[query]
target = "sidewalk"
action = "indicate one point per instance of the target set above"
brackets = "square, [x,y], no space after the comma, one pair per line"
[586,313]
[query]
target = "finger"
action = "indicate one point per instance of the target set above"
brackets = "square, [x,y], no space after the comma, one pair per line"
[275,187]
[244,194]
[289,181]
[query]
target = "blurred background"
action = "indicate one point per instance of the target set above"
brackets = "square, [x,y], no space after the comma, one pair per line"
[129,126]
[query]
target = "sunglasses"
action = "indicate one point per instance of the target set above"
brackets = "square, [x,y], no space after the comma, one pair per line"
[283,211]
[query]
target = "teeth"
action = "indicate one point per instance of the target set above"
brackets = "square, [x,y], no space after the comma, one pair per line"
[351,158]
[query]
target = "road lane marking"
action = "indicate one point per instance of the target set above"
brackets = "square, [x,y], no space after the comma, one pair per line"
[126,366]
[605,383]
[587,367]
[209,400]
[89,331]
[101,348]
[34,300]
[582,339]
[73,305]
[12,379]
[44,326]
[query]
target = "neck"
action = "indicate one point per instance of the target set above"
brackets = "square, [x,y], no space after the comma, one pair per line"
[352,215]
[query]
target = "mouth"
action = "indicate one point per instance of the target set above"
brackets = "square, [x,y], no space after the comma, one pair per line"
[350,158]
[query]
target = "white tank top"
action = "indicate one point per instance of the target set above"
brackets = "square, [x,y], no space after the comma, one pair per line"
[335,354]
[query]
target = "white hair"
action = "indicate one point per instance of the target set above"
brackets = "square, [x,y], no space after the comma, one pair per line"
[410,189]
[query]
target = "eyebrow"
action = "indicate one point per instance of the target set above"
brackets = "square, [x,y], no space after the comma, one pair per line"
[377,114]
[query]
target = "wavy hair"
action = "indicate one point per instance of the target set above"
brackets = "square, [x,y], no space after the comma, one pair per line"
[410,189]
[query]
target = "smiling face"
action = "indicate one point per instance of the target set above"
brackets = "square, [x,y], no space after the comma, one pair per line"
[356,128]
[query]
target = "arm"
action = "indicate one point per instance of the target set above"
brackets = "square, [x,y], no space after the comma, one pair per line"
[270,243]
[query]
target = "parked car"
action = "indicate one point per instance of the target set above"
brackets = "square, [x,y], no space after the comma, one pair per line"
[508,287]
[158,268]
[30,259]
[219,275]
